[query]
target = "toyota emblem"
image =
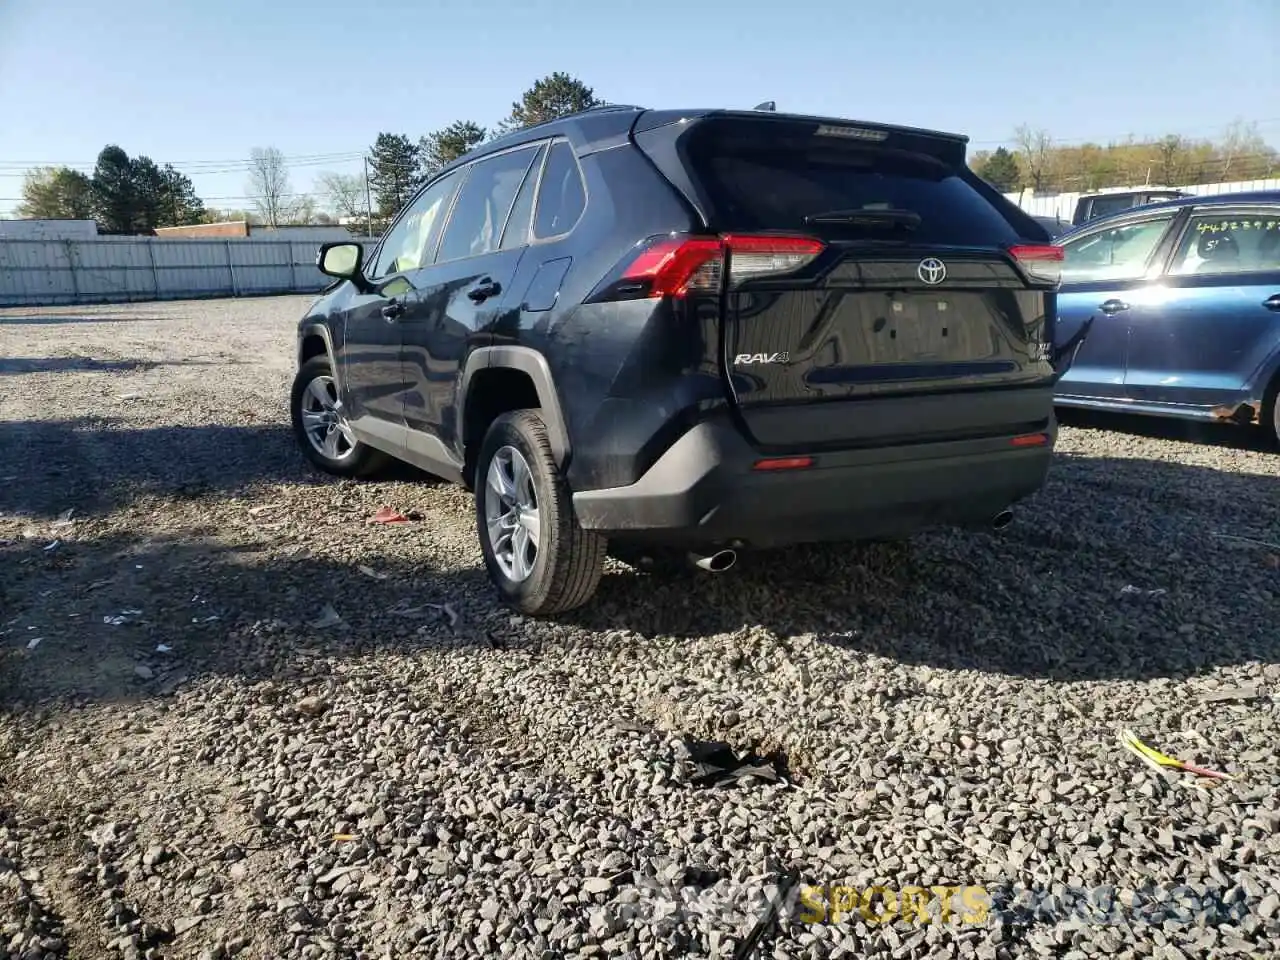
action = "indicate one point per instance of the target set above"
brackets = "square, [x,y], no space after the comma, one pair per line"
[931,271]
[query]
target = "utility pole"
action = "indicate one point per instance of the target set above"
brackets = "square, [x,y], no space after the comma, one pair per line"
[368,202]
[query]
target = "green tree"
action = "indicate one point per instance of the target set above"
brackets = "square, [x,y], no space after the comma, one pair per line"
[148,185]
[394,171]
[115,192]
[553,96]
[1000,169]
[442,147]
[179,204]
[56,193]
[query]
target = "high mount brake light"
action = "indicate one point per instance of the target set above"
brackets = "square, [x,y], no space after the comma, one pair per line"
[1041,262]
[678,266]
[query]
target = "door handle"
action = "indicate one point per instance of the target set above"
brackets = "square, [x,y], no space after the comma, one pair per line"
[483,290]
[1272,303]
[393,311]
[1112,307]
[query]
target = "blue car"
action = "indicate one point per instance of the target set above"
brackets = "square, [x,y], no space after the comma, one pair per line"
[1184,297]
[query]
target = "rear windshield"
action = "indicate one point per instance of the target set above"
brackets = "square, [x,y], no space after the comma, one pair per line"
[770,185]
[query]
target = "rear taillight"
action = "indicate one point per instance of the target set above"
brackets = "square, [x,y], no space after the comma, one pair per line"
[752,256]
[677,266]
[673,267]
[1042,263]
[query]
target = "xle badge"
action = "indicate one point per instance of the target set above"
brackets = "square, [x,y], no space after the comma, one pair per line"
[744,358]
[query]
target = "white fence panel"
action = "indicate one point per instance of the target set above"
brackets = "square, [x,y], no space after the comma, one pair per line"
[191,268]
[110,269]
[36,271]
[1063,205]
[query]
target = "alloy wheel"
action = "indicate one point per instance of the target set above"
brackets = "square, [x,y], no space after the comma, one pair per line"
[511,514]
[323,421]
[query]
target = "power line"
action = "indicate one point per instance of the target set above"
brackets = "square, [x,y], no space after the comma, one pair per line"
[195,164]
[210,166]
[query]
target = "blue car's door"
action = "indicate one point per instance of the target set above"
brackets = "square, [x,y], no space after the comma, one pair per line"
[1213,323]
[1104,270]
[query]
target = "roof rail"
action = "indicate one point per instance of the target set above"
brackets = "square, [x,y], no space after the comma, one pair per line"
[603,107]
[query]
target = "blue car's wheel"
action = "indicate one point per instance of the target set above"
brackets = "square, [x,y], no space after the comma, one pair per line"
[1270,419]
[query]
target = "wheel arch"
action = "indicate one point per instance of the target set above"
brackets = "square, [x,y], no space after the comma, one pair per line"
[519,361]
[315,340]
[1270,381]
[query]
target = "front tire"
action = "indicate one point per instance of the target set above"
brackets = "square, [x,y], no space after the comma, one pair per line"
[540,559]
[320,425]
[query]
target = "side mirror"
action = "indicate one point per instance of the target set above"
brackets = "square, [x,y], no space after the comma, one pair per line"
[341,259]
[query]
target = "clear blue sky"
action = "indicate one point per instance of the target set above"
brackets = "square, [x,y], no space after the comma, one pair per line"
[200,82]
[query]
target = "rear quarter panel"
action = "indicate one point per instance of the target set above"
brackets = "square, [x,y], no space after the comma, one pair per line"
[621,370]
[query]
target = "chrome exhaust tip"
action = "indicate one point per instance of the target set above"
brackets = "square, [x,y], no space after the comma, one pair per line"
[1002,520]
[717,562]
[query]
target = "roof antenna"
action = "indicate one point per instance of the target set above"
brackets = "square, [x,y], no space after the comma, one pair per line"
[768,105]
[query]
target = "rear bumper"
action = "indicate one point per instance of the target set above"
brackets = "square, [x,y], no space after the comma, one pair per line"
[703,491]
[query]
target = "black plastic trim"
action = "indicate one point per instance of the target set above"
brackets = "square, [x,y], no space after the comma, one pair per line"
[534,364]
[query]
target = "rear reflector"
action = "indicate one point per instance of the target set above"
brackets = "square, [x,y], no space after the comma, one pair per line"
[1041,263]
[784,463]
[1030,440]
[680,265]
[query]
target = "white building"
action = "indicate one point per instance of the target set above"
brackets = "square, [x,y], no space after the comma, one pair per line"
[48,230]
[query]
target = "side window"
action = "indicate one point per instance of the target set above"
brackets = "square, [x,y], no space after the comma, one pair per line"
[412,240]
[562,197]
[1118,253]
[1217,244]
[483,205]
[516,233]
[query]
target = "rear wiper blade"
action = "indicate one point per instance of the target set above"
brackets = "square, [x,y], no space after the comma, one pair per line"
[889,218]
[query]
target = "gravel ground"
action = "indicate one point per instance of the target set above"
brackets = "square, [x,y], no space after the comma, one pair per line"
[236,719]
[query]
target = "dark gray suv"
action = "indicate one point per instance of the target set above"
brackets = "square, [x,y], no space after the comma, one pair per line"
[692,332]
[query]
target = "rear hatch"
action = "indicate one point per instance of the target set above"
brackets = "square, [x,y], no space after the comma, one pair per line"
[871,289]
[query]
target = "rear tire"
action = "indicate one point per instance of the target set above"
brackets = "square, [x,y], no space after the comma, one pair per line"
[320,425]
[537,555]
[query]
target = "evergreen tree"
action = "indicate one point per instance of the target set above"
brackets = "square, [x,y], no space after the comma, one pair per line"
[115,194]
[1000,169]
[394,172]
[179,204]
[442,147]
[553,96]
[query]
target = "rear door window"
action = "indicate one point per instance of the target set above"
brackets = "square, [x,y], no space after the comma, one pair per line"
[483,205]
[1228,243]
[763,185]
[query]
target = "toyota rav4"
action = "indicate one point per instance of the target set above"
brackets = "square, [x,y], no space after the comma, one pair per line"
[656,332]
